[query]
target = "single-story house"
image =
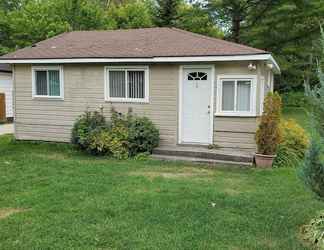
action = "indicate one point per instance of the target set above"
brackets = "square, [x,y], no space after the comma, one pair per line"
[6,88]
[198,90]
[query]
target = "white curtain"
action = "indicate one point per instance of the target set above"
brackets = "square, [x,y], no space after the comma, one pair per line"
[243,95]
[228,95]
[54,82]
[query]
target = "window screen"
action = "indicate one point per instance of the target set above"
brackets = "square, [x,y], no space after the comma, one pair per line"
[136,84]
[127,84]
[47,83]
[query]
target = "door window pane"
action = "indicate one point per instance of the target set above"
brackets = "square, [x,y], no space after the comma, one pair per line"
[243,95]
[228,95]
[41,82]
[54,82]
[117,84]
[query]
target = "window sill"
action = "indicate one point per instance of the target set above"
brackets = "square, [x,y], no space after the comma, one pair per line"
[52,98]
[127,101]
[231,114]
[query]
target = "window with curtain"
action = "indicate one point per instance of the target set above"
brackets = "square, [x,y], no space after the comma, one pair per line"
[47,82]
[127,84]
[236,95]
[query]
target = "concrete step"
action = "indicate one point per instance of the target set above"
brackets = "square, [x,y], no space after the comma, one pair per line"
[204,154]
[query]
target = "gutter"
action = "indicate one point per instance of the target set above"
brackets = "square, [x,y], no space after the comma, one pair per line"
[175,59]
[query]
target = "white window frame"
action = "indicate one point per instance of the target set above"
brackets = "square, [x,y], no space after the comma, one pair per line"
[262,93]
[126,69]
[47,68]
[219,93]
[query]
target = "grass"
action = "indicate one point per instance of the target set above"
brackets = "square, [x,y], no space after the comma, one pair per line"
[53,197]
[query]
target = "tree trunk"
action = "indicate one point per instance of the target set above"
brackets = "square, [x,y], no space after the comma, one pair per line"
[236,28]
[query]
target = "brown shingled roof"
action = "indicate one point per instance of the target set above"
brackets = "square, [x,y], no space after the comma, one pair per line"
[134,43]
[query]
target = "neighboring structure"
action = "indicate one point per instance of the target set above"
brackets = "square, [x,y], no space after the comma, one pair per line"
[7,89]
[196,89]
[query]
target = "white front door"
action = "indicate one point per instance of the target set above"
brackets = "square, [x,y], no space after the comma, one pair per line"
[196,106]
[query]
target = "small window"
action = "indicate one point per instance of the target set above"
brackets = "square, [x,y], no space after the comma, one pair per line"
[47,82]
[127,84]
[197,76]
[236,96]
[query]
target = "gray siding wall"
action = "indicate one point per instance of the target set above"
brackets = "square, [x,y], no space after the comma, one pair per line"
[52,120]
[238,132]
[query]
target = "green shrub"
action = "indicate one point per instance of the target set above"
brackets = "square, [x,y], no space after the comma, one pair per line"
[314,231]
[84,125]
[268,135]
[143,136]
[312,170]
[294,99]
[286,157]
[123,136]
[294,137]
[142,156]
[294,143]
[110,142]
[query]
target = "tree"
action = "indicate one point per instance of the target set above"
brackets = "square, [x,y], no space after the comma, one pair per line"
[10,5]
[231,14]
[167,12]
[32,23]
[131,15]
[290,31]
[198,20]
[81,14]
[312,170]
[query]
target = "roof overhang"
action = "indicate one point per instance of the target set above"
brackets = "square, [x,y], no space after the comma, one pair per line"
[185,59]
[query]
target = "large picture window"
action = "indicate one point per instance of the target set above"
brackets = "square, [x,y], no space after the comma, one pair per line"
[236,95]
[47,82]
[127,84]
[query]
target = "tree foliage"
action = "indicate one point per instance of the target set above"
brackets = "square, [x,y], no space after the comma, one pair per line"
[287,28]
[130,15]
[167,12]
[313,167]
[232,14]
[196,19]
[290,30]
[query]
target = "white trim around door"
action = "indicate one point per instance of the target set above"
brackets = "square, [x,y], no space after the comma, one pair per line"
[211,70]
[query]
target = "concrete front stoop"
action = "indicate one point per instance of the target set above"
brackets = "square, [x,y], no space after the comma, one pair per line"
[204,155]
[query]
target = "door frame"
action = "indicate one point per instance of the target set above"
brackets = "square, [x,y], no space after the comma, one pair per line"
[211,67]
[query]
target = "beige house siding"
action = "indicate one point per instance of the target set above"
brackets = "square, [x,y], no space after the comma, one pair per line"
[238,132]
[52,120]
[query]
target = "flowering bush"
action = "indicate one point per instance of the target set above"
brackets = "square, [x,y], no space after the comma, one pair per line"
[293,145]
[110,142]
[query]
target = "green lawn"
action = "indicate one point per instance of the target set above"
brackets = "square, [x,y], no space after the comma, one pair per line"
[61,199]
